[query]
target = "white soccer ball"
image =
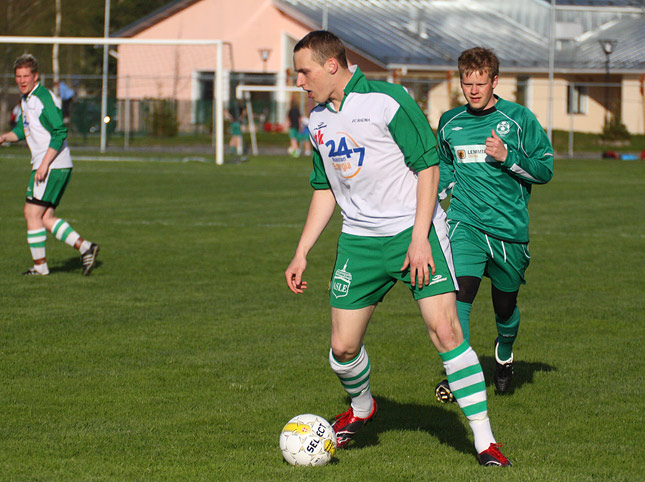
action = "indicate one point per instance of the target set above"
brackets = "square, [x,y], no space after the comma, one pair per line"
[308,440]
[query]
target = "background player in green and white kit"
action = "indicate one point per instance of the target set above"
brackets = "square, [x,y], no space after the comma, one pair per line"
[41,124]
[375,156]
[492,151]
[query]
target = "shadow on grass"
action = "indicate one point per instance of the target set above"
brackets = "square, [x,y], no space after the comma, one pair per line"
[72,264]
[447,425]
[523,372]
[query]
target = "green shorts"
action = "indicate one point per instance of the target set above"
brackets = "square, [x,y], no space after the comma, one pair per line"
[477,254]
[236,128]
[293,133]
[368,267]
[49,192]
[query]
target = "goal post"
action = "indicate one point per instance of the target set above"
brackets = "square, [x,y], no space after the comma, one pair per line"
[243,92]
[183,62]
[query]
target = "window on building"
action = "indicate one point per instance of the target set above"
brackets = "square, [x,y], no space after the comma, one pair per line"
[577,99]
[522,95]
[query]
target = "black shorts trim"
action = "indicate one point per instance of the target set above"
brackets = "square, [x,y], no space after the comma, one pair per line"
[38,202]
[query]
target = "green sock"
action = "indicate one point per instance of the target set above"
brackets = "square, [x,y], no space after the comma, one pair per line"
[507,332]
[463,311]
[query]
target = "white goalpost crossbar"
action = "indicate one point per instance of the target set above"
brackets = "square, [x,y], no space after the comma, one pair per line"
[219,77]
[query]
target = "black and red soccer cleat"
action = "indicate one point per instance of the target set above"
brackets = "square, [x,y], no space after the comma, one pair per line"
[492,456]
[347,424]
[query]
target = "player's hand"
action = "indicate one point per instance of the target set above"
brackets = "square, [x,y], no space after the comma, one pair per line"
[495,147]
[293,275]
[41,174]
[419,259]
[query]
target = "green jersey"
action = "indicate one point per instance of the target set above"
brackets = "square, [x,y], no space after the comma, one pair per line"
[489,195]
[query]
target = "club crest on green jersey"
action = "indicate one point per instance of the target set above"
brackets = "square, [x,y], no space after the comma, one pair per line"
[341,282]
[503,128]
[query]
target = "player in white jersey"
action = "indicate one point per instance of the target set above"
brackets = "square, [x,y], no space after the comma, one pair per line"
[41,124]
[375,156]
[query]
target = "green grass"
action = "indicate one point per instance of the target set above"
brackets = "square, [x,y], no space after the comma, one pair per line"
[184,353]
[587,142]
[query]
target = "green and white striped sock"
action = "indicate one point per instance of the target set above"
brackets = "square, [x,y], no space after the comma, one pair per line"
[64,232]
[467,384]
[355,377]
[36,239]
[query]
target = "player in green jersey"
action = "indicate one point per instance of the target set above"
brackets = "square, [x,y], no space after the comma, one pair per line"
[375,156]
[41,125]
[492,151]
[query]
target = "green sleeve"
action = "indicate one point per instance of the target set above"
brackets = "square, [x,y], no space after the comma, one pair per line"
[19,130]
[318,178]
[412,133]
[532,161]
[52,119]
[446,165]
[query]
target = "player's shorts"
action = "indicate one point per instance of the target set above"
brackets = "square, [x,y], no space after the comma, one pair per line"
[293,133]
[49,192]
[236,128]
[477,254]
[304,135]
[368,267]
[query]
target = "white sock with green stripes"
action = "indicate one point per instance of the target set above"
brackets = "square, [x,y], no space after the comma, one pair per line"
[466,380]
[355,377]
[64,232]
[36,239]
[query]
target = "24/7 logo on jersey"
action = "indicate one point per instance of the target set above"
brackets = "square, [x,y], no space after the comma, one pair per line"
[344,157]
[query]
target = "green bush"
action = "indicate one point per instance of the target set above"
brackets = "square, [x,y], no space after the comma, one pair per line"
[614,130]
[164,119]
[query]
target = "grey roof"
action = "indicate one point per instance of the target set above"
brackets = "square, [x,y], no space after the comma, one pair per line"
[430,34]
[601,3]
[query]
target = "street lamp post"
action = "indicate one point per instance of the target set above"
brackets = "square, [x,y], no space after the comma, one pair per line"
[608,47]
[264,55]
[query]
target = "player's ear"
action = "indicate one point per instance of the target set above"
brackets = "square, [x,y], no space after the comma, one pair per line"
[495,81]
[331,65]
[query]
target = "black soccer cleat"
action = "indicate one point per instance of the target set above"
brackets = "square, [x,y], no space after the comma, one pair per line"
[443,393]
[88,258]
[34,272]
[493,457]
[503,374]
[347,424]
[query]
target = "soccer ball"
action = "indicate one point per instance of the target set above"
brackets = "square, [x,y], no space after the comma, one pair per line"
[308,440]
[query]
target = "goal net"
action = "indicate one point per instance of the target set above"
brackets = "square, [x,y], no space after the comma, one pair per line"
[152,88]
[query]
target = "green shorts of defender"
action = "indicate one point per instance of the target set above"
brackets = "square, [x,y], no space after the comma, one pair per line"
[368,267]
[50,191]
[477,254]
[236,128]
[293,133]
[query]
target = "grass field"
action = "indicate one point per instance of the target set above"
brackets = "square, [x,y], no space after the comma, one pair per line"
[183,354]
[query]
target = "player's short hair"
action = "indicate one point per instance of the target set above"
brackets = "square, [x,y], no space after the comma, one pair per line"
[478,59]
[26,60]
[324,45]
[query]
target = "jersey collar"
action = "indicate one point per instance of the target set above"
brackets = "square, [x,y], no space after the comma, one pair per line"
[353,85]
[26,96]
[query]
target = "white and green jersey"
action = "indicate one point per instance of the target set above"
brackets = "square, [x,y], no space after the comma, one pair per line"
[41,124]
[369,153]
[486,194]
